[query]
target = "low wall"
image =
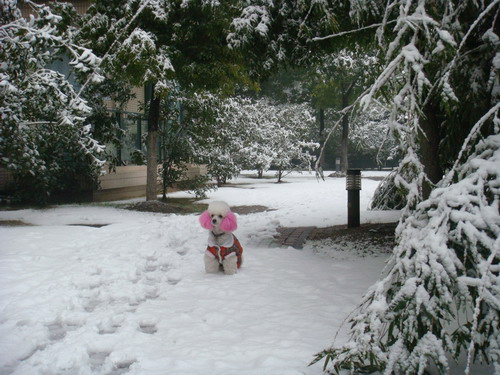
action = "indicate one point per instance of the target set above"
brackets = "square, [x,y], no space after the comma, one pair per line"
[130,182]
[6,179]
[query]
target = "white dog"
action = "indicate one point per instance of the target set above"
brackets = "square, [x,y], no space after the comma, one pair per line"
[223,250]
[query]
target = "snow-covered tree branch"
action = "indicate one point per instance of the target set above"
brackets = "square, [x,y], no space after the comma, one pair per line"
[43,116]
[253,134]
[440,294]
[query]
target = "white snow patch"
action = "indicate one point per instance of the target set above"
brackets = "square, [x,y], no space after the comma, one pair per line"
[132,296]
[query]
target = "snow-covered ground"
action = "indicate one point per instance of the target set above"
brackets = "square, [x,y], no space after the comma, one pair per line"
[132,296]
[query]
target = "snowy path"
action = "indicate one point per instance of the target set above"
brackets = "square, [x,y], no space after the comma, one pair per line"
[132,297]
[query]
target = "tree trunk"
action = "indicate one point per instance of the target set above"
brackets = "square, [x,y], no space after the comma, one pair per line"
[164,181]
[344,162]
[321,138]
[429,140]
[152,149]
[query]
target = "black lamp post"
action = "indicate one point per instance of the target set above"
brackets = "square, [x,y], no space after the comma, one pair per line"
[353,186]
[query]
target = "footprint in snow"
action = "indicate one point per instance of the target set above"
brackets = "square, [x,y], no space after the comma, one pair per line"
[58,331]
[91,305]
[121,367]
[97,361]
[148,328]
[151,267]
[108,330]
[152,293]
[165,267]
[174,278]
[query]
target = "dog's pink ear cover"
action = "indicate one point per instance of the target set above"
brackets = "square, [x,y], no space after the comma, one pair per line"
[229,223]
[205,220]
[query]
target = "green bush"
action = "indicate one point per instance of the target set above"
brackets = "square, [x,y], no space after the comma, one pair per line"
[388,196]
[199,186]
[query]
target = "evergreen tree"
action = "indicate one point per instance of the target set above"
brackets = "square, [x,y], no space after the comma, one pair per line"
[370,136]
[165,44]
[276,34]
[46,137]
[440,76]
[241,133]
[338,80]
[330,84]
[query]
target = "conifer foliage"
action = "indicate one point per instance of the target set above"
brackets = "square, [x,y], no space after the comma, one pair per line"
[441,292]
[440,295]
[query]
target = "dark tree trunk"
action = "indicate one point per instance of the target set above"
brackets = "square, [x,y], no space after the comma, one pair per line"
[280,175]
[165,167]
[344,162]
[152,149]
[429,140]
[321,138]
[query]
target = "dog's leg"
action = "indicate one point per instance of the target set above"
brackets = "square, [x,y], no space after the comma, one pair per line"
[230,265]
[211,264]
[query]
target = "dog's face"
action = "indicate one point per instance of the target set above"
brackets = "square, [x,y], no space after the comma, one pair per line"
[218,217]
[218,211]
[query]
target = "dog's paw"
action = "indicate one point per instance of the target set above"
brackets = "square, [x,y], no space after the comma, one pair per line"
[211,264]
[230,265]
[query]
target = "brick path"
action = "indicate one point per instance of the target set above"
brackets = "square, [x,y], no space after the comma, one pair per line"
[294,237]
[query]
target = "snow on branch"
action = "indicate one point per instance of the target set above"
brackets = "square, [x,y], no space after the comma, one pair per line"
[440,295]
[253,18]
[115,43]
[38,104]
[493,112]
[343,33]
[447,256]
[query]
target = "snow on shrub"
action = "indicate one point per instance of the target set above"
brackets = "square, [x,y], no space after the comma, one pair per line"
[441,293]
[44,133]
[257,135]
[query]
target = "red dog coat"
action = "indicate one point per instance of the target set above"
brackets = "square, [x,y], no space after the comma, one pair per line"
[221,252]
